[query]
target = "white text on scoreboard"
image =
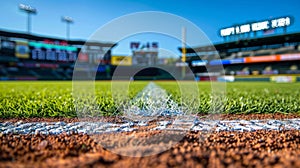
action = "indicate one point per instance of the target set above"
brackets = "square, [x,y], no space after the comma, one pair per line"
[256,26]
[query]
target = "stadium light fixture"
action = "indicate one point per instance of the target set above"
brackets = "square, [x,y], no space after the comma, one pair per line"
[68,21]
[29,10]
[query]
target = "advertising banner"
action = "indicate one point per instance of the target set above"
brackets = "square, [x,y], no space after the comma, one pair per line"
[22,50]
[257,59]
[83,57]
[218,62]
[226,62]
[121,60]
[199,63]
[288,57]
[262,59]
[237,61]
[225,79]
[283,79]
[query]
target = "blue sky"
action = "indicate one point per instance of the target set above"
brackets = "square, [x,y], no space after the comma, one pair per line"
[89,15]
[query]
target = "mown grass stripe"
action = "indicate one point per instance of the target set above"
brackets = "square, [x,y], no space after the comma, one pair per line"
[150,103]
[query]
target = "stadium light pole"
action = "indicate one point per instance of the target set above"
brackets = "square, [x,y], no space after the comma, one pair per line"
[29,10]
[68,21]
[183,58]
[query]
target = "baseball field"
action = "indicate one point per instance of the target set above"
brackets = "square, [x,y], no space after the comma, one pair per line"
[257,124]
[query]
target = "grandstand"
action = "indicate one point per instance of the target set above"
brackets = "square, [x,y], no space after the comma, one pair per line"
[31,57]
[256,57]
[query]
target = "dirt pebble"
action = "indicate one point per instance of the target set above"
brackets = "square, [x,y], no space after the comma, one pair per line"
[218,149]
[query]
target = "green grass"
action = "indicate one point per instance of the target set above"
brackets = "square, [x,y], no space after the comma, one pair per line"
[262,98]
[242,97]
[55,99]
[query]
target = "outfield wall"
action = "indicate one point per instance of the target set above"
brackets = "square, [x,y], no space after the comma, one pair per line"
[269,78]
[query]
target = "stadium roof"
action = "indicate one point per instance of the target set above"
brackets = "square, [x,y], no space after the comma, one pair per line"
[10,34]
[269,40]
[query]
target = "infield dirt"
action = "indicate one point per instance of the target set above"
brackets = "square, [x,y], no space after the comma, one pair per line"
[221,149]
[197,149]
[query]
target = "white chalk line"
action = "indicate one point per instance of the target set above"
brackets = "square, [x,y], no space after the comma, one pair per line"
[54,128]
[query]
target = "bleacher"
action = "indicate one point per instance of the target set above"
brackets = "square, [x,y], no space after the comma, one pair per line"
[19,73]
[30,56]
[46,74]
[245,50]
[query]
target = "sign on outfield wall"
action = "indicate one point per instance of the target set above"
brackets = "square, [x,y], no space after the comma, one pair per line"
[283,79]
[257,26]
[257,59]
[225,79]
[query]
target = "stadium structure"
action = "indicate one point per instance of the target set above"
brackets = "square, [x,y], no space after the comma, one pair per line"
[30,57]
[26,56]
[248,57]
[258,58]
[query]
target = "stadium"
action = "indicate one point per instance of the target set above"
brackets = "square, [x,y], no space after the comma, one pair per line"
[78,103]
[31,57]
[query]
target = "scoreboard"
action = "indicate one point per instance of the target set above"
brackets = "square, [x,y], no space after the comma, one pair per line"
[264,25]
[52,52]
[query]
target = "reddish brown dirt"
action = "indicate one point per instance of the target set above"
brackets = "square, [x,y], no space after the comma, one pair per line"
[196,149]
[118,119]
